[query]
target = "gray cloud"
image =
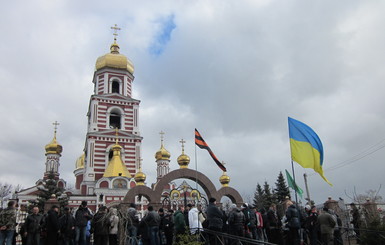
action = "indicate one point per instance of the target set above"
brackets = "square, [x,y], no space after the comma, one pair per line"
[233,70]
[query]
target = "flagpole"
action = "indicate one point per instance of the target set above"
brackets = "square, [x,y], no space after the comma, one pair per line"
[196,168]
[292,168]
[307,188]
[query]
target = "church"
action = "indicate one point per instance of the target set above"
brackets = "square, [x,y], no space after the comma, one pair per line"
[111,162]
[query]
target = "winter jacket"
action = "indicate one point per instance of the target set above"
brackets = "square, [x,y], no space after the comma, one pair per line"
[82,216]
[179,222]
[67,225]
[293,217]
[133,219]
[33,223]
[152,219]
[273,220]
[52,222]
[214,217]
[8,218]
[100,224]
[236,218]
[193,220]
[326,223]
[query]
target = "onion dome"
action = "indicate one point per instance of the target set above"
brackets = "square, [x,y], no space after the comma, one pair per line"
[162,154]
[114,60]
[53,147]
[183,159]
[224,179]
[140,177]
[116,166]
[80,162]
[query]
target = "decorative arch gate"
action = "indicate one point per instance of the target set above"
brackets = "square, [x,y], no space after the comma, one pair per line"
[154,195]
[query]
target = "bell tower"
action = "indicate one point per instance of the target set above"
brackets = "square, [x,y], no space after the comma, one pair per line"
[111,107]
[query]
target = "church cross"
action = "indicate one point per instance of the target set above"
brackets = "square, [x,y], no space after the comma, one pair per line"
[116,29]
[55,126]
[182,142]
[161,136]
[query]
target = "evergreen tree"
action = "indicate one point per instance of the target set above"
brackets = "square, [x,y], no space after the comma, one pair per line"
[49,189]
[281,190]
[258,200]
[268,196]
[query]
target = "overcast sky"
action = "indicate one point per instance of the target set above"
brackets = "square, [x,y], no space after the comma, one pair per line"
[235,70]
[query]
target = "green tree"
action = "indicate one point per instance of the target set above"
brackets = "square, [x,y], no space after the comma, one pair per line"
[268,196]
[49,189]
[258,200]
[281,190]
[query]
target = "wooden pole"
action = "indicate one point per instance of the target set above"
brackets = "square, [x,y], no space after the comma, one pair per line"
[307,189]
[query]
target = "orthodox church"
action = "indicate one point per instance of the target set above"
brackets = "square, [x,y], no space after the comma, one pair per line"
[111,159]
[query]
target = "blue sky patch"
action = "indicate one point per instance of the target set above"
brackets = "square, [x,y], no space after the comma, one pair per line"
[163,36]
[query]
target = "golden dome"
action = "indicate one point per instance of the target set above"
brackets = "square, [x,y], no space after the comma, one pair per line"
[116,166]
[224,179]
[162,154]
[80,162]
[140,177]
[183,160]
[114,60]
[53,147]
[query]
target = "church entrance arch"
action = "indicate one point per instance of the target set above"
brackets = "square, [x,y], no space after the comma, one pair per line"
[154,195]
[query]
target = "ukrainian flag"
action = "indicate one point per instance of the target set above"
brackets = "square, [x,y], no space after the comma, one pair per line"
[306,147]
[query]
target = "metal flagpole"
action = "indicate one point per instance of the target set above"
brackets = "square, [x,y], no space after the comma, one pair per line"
[295,189]
[307,188]
[196,167]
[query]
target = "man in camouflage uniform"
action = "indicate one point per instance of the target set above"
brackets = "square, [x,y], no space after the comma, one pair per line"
[8,223]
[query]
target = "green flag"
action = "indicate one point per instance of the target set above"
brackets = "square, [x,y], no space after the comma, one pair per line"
[292,184]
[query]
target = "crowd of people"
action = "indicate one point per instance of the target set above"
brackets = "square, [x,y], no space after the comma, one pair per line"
[165,227]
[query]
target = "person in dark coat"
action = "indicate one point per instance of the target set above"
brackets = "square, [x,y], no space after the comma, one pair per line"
[273,225]
[152,220]
[215,219]
[32,227]
[356,220]
[132,225]
[179,224]
[294,223]
[52,225]
[168,226]
[236,221]
[311,225]
[82,216]
[100,225]
[67,227]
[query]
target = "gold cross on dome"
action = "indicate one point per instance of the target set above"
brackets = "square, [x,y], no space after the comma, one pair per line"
[182,142]
[55,125]
[116,29]
[161,136]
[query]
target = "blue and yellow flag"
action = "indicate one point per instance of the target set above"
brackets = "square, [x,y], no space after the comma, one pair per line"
[306,147]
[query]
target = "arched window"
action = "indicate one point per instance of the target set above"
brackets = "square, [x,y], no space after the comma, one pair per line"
[115,119]
[115,87]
